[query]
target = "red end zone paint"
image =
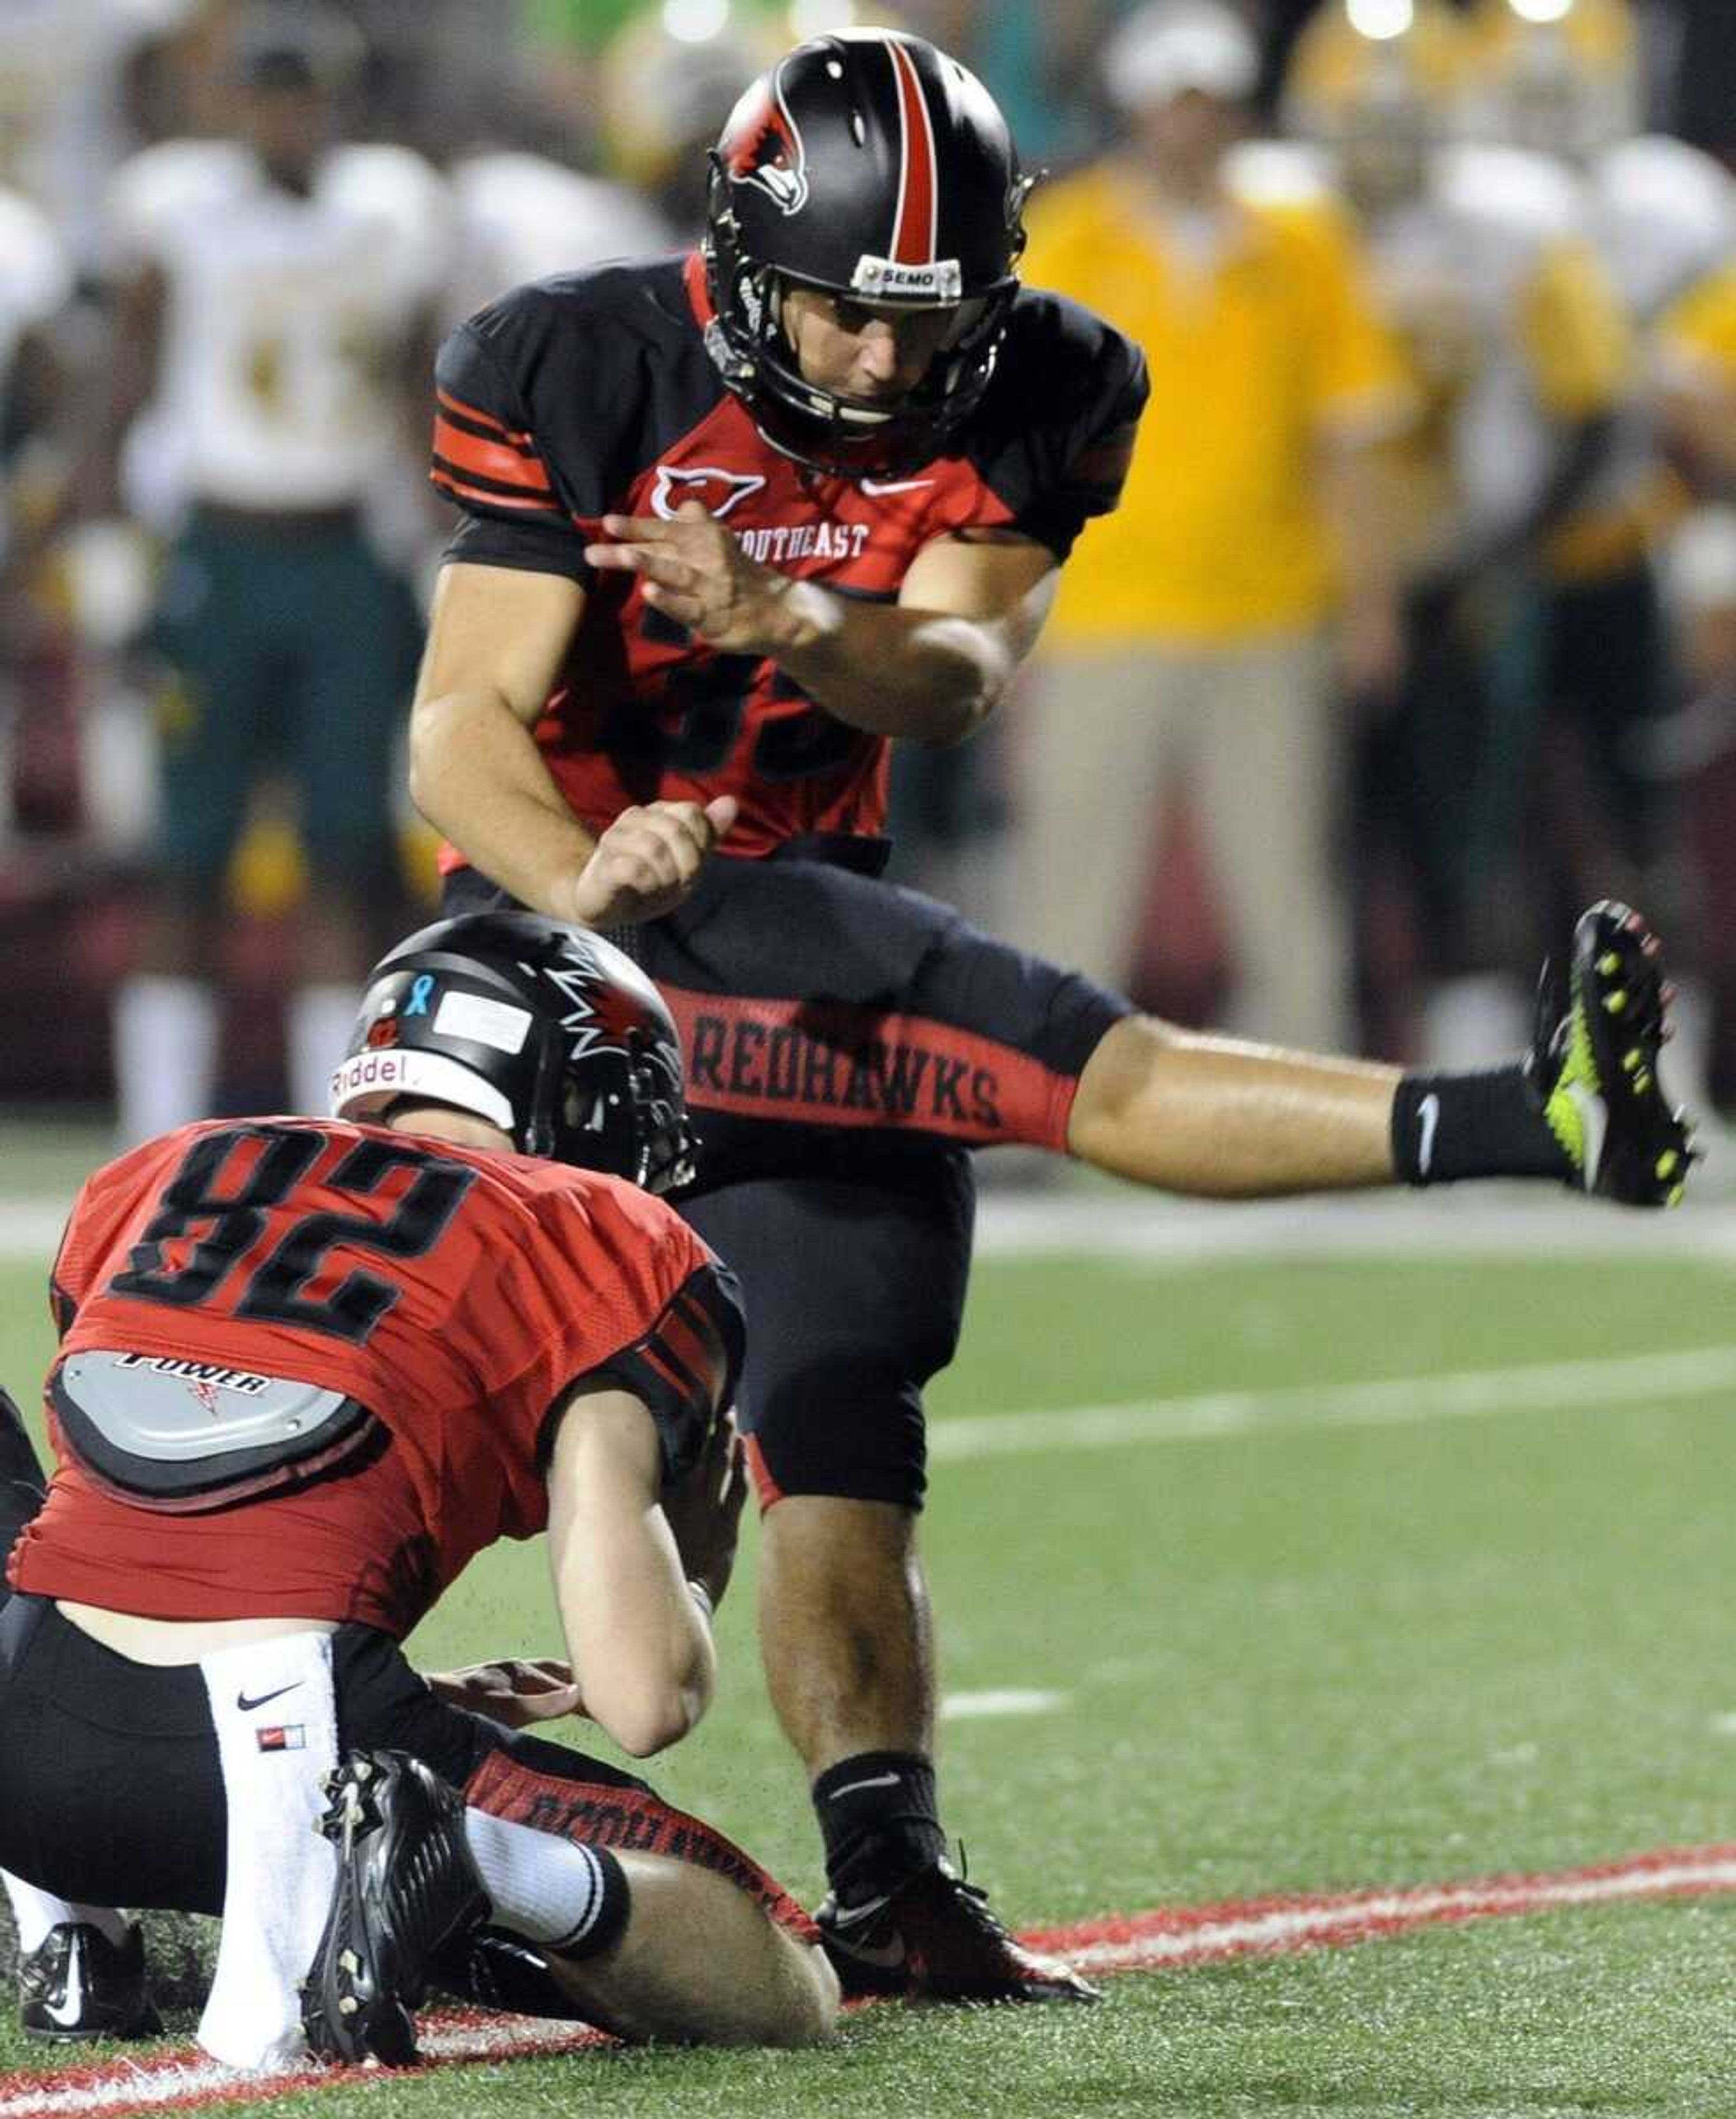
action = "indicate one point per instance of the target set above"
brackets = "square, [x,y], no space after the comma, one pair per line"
[184,2079]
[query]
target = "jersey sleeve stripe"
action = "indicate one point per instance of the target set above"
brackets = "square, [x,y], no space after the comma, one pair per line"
[690,1335]
[485,482]
[515,465]
[485,422]
[676,1376]
[462,489]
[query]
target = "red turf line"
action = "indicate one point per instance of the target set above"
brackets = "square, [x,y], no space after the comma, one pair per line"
[1412,1903]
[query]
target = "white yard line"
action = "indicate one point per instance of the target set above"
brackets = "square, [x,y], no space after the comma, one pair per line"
[30,1230]
[987,1706]
[1505,1221]
[1700,1372]
[1534,1221]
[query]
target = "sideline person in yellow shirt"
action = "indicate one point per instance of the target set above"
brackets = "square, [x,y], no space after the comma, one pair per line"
[1196,635]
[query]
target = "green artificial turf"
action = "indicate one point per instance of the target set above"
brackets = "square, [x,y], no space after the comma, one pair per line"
[1298,1658]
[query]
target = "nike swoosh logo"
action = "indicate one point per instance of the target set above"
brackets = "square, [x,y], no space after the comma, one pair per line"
[1428,1117]
[67,2011]
[895,485]
[853,1915]
[246,1705]
[850,1787]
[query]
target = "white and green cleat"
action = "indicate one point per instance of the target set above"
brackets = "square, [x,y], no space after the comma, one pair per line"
[1602,1022]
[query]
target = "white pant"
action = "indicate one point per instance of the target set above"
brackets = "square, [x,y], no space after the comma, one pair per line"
[1253,730]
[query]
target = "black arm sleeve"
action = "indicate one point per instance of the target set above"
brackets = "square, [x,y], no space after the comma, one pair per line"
[1058,427]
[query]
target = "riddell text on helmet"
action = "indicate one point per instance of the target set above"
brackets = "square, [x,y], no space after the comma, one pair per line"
[370,1070]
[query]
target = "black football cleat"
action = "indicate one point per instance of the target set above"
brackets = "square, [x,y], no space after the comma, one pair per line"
[934,1938]
[1602,1021]
[406,1885]
[77,1984]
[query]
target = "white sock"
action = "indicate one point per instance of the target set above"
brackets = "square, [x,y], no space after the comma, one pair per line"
[165,1055]
[546,1890]
[37,1911]
[320,1020]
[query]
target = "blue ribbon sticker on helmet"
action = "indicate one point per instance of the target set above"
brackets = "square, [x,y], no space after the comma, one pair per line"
[420,990]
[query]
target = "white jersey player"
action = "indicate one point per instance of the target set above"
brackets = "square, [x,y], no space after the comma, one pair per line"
[284,317]
[521,216]
[279,299]
[63,129]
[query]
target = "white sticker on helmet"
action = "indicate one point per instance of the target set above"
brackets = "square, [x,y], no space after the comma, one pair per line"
[883,280]
[367,1082]
[483,1021]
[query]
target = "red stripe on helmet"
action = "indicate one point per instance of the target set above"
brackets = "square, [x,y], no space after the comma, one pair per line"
[913,225]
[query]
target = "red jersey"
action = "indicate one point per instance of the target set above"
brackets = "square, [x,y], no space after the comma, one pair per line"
[454,1292]
[594,394]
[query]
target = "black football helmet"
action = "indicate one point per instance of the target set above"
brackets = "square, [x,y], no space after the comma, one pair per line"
[870,165]
[547,1031]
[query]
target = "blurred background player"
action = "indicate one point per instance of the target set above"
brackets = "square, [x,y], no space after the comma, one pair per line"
[82,83]
[1518,356]
[659,101]
[1694,755]
[275,306]
[1693,359]
[1564,78]
[1692,365]
[36,281]
[1205,634]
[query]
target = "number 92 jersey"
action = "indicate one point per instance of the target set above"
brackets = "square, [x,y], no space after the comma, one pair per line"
[455,1293]
[593,394]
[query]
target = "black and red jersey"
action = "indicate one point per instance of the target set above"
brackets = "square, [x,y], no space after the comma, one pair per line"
[455,1293]
[594,394]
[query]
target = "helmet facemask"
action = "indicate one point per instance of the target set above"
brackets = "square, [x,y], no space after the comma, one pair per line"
[624,1115]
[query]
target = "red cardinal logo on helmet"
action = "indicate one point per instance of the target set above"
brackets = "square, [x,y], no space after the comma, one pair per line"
[763,146]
